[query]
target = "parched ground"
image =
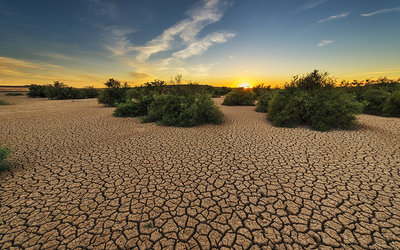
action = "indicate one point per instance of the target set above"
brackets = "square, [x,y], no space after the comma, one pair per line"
[82,178]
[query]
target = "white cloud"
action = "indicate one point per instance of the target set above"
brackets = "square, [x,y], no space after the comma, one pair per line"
[325,42]
[311,4]
[118,44]
[183,33]
[331,18]
[380,12]
[199,47]
[210,12]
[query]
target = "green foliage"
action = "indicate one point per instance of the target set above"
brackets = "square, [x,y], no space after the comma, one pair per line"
[37,91]
[90,92]
[4,102]
[261,90]
[313,80]
[134,107]
[240,96]
[289,108]
[315,103]
[4,153]
[263,101]
[14,94]
[374,98]
[60,91]
[183,111]
[220,91]
[375,95]
[391,107]
[114,94]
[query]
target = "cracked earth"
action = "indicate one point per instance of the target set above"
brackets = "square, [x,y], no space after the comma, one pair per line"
[82,178]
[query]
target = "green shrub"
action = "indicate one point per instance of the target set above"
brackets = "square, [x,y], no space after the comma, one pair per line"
[4,153]
[289,108]
[263,101]
[113,94]
[261,90]
[90,92]
[183,111]
[333,108]
[4,102]
[135,107]
[14,94]
[37,91]
[374,98]
[315,103]
[240,97]
[60,91]
[391,106]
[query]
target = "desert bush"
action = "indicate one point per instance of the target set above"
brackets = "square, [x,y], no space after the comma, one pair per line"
[4,153]
[114,94]
[4,102]
[312,100]
[14,94]
[391,106]
[261,89]
[183,111]
[134,107]
[374,99]
[37,91]
[240,96]
[90,92]
[263,101]
[60,91]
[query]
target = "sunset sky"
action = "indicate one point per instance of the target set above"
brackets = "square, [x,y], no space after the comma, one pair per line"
[217,42]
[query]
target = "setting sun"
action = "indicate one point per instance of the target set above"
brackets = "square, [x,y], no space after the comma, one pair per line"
[245,85]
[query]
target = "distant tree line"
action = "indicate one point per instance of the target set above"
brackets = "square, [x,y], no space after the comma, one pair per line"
[60,91]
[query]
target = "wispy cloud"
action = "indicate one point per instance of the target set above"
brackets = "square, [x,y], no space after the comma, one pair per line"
[311,4]
[118,43]
[331,18]
[186,30]
[182,34]
[199,47]
[325,42]
[20,71]
[381,12]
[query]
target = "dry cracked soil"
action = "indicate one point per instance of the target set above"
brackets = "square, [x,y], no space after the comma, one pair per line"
[81,178]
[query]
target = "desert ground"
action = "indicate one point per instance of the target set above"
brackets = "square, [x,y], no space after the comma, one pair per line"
[80,177]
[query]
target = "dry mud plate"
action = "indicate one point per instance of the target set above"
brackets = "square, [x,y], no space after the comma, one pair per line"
[82,178]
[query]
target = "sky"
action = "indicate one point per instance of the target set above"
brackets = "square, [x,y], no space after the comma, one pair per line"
[216,42]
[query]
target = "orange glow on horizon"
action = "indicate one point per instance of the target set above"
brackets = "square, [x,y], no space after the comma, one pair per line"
[245,85]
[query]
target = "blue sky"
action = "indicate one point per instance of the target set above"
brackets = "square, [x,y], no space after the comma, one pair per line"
[219,42]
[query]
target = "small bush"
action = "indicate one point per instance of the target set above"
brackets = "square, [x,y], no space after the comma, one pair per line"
[60,91]
[183,111]
[239,97]
[263,101]
[37,91]
[4,153]
[4,102]
[391,106]
[374,98]
[312,100]
[261,89]
[113,94]
[90,92]
[14,94]
[134,108]
[289,108]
